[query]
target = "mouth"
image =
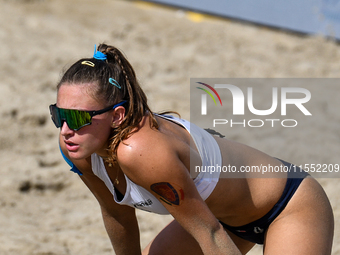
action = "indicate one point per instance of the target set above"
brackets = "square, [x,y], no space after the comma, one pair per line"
[70,146]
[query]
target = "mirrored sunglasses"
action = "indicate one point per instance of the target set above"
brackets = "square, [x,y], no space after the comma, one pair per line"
[76,119]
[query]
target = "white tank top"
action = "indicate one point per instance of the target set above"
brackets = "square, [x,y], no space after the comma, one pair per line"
[138,197]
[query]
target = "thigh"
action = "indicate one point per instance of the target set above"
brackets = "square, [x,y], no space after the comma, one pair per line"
[173,239]
[305,226]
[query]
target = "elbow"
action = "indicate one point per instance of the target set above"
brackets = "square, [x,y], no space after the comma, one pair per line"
[216,232]
[215,228]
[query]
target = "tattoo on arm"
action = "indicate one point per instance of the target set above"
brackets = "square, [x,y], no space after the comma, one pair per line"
[169,193]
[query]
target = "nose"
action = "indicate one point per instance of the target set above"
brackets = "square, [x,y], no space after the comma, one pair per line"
[65,130]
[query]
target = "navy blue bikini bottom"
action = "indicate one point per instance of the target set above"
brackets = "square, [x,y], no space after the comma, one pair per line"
[255,231]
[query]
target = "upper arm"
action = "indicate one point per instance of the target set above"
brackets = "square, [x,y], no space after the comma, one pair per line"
[120,221]
[105,197]
[157,167]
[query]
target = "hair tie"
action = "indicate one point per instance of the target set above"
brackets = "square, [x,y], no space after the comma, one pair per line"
[98,54]
[114,83]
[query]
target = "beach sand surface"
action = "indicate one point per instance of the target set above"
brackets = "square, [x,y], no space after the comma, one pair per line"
[44,208]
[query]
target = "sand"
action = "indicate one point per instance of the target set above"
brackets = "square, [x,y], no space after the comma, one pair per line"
[44,208]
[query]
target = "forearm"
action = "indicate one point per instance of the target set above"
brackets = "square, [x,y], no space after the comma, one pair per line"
[218,243]
[124,234]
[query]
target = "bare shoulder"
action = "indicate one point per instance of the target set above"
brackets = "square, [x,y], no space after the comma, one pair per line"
[143,147]
[149,149]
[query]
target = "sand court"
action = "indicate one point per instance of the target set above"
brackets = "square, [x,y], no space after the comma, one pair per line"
[45,208]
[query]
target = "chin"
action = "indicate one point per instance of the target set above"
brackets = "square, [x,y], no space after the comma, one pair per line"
[78,155]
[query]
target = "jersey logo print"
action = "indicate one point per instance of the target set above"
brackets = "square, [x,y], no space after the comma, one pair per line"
[241,231]
[143,203]
[258,230]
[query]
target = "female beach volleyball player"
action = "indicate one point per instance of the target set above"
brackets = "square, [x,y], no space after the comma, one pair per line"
[130,157]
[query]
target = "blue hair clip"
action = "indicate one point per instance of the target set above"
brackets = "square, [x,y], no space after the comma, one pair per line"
[99,55]
[114,83]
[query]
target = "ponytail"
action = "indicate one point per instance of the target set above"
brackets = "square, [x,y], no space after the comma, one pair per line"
[137,106]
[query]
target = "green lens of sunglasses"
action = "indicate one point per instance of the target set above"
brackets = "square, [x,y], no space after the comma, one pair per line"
[75,119]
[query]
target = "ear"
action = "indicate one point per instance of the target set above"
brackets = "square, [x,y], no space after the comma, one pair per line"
[118,115]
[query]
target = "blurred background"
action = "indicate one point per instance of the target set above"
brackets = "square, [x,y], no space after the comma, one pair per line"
[47,210]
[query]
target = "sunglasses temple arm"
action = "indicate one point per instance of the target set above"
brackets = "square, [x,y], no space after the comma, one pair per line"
[108,109]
